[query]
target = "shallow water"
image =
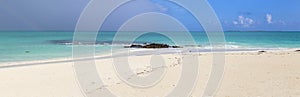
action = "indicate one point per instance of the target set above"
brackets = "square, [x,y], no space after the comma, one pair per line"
[25,46]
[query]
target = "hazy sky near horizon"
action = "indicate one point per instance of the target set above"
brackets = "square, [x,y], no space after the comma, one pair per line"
[62,15]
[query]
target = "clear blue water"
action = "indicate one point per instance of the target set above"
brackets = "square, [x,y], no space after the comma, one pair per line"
[24,46]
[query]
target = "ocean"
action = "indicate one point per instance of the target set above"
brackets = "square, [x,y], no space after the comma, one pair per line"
[27,46]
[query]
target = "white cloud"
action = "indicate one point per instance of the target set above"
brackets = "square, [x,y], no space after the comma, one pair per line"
[235,22]
[243,21]
[269,18]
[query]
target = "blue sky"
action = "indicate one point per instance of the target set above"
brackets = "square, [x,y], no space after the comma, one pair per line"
[258,14]
[62,15]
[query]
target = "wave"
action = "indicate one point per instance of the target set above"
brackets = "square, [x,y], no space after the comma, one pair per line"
[70,42]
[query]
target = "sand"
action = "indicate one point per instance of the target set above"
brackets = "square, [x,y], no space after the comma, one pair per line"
[247,74]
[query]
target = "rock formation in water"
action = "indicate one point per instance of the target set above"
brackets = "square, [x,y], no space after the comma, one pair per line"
[151,45]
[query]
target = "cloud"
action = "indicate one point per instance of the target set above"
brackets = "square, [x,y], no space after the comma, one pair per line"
[243,21]
[235,22]
[269,18]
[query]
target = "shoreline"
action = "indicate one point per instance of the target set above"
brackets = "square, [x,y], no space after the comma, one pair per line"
[138,52]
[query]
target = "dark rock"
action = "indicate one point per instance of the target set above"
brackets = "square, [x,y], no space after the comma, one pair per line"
[176,47]
[154,45]
[297,50]
[27,51]
[151,45]
[261,52]
[135,46]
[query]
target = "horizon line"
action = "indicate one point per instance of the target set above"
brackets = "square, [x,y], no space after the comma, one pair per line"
[148,31]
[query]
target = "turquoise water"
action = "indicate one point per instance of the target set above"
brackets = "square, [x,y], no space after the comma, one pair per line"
[23,46]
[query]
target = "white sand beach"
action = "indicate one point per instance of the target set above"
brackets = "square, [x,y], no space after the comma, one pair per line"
[247,74]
